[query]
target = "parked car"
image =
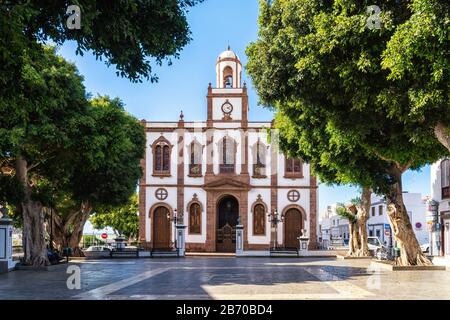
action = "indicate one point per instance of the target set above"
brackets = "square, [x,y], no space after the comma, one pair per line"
[425,247]
[376,247]
[97,251]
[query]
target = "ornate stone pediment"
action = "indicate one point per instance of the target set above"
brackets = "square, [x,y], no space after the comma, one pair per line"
[226,184]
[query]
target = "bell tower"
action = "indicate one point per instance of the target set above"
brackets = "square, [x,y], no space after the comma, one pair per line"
[228,70]
[228,101]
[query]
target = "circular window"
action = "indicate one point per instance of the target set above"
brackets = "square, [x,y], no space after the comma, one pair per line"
[161,194]
[293,195]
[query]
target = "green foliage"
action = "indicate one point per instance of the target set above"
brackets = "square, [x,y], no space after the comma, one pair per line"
[343,212]
[91,240]
[38,122]
[418,56]
[76,149]
[107,166]
[124,219]
[132,35]
[356,201]
[319,66]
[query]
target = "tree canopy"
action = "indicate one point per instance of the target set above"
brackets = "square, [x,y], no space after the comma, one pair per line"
[418,56]
[132,35]
[60,149]
[320,67]
[123,219]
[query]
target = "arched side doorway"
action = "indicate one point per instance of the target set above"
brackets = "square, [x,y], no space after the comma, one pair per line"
[293,225]
[161,229]
[228,214]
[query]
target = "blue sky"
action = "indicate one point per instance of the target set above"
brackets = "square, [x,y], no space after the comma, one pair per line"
[182,86]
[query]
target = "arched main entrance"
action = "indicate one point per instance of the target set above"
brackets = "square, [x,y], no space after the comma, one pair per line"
[293,225]
[228,214]
[161,229]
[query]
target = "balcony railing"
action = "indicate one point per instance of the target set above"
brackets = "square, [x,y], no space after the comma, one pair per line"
[259,170]
[195,169]
[226,168]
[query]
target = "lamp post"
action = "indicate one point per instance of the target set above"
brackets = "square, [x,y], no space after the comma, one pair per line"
[177,217]
[274,219]
[4,210]
[6,230]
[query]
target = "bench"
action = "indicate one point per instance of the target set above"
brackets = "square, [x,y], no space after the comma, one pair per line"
[124,253]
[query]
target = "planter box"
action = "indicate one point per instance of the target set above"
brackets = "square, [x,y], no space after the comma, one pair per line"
[43,268]
[344,257]
[391,267]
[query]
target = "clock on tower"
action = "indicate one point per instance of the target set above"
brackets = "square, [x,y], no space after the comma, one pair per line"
[228,101]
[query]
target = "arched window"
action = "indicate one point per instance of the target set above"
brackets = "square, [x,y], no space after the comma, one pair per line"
[259,220]
[445,178]
[227,153]
[228,77]
[161,156]
[293,168]
[195,166]
[259,159]
[195,218]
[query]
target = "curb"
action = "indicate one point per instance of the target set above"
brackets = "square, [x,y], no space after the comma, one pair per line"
[391,267]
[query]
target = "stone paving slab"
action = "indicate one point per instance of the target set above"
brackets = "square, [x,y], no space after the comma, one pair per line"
[227,278]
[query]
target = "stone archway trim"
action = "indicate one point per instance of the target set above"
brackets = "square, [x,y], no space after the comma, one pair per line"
[285,210]
[151,216]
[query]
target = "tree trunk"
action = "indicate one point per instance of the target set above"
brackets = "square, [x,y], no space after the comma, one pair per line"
[34,247]
[442,133]
[353,242]
[67,232]
[410,251]
[363,216]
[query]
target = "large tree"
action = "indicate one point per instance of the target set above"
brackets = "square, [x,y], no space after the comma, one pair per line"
[57,141]
[418,55]
[335,160]
[320,56]
[104,172]
[39,127]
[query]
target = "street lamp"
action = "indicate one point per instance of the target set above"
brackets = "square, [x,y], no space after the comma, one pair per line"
[4,210]
[177,217]
[274,218]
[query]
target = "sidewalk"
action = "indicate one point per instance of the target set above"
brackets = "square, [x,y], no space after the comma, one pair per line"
[441,261]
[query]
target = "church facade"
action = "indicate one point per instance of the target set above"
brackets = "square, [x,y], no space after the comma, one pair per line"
[213,175]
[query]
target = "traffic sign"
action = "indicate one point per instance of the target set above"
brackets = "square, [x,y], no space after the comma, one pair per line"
[104,235]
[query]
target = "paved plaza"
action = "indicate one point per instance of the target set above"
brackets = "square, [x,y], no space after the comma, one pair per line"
[226,278]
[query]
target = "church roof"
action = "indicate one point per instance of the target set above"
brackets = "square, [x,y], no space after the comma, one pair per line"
[228,54]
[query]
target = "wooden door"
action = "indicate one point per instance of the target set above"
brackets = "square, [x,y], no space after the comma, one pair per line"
[226,228]
[161,229]
[292,228]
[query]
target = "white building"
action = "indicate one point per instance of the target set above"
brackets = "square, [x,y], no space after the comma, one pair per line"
[335,227]
[378,223]
[440,192]
[221,172]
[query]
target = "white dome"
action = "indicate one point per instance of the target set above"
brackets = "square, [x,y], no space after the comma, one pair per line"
[228,54]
